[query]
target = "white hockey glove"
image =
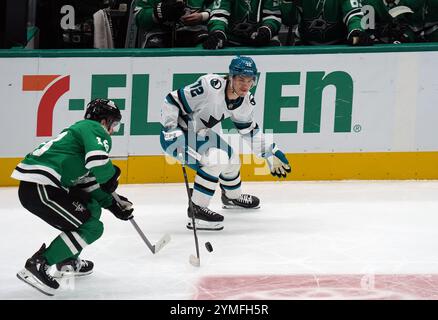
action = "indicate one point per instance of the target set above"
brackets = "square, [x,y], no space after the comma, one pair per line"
[278,163]
[173,134]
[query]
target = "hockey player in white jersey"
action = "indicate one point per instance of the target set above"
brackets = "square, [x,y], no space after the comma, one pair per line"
[189,113]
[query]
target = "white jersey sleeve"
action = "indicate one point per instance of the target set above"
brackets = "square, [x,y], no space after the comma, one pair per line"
[243,119]
[183,102]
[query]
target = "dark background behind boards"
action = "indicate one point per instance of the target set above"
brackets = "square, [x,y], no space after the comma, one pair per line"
[53,36]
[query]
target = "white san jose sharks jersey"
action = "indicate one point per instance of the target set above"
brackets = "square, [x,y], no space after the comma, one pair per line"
[200,106]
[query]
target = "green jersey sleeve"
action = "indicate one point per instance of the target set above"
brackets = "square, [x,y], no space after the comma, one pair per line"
[102,197]
[352,14]
[143,13]
[220,14]
[271,15]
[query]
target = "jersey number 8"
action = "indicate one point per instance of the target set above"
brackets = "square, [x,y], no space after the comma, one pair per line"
[46,145]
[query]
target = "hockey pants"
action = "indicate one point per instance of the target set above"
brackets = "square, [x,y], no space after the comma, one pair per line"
[78,221]
[214,161]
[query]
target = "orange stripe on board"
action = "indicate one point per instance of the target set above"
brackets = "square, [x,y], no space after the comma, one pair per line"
[37,82]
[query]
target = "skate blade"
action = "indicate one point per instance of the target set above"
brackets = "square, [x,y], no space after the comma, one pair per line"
[27,277]
[205,226]
[233,207]
[161,243]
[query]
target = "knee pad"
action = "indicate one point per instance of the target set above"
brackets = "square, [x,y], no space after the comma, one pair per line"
[233,167]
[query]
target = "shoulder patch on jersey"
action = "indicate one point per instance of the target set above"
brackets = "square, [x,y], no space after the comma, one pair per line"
[252,100]
[216,83]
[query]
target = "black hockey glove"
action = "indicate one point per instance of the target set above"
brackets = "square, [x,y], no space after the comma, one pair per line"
[169,10]
[243,31]
[262,36]
[399,33]
[121,207]
[111,185]
[359,38]
[215,40]
[79,194]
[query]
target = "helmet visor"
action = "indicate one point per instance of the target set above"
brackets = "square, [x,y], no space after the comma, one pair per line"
[115,126]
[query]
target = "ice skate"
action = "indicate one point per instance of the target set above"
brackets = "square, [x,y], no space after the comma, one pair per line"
[205,219]
[245,201]
[36,273]
[74,268]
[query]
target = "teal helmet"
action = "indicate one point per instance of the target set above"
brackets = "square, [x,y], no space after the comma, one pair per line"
[243,66]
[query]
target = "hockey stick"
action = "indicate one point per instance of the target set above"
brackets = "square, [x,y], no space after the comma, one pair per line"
[194,261]
[154,248]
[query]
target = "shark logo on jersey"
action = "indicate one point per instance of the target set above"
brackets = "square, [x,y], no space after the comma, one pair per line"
[215,83]
[212,121]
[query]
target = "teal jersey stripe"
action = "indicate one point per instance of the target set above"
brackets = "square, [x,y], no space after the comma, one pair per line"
[231,187]
[184,102]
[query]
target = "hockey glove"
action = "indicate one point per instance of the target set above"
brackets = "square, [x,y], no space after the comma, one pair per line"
[262,36]
[359,38]
[169,10]
[172,135]
[121,207]
[215,40]
[400,33]
[278,163]
[111,185]
[243,31]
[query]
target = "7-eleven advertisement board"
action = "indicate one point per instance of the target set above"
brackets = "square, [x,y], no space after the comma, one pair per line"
[339,106]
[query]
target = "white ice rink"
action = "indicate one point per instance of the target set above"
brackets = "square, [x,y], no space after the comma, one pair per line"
[335,240]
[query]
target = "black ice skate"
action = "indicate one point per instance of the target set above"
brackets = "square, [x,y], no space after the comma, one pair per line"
[74,268]
[36,274]
[245,201]
[205,219]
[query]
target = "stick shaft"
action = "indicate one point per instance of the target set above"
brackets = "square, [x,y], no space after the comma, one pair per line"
[191,209]
[137,228]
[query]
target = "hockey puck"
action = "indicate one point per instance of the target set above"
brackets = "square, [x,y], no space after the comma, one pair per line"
[208,246]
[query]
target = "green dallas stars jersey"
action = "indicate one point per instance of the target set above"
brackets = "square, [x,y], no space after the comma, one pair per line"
[144,10]
[383,19]
[227,14]
[77,156]
[328,21]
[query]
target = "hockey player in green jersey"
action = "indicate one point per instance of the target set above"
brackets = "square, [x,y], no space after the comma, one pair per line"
[169,23]
[65,182]
[331,22]
[397,21]
[248,22]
